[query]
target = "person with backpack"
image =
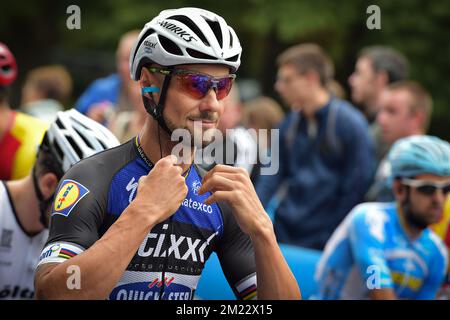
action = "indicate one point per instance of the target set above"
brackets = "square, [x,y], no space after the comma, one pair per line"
[326,157]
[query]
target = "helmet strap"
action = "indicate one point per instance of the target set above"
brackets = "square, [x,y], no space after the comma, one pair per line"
[43,203]
[156,110]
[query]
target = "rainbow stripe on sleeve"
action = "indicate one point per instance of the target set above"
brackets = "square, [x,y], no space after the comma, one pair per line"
[246,288]
[66,254]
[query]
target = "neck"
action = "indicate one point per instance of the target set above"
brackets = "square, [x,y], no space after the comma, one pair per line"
[411,231]
[318,100]
[371,106]
[26,204]
[416,131]
[4,119]
[156,145]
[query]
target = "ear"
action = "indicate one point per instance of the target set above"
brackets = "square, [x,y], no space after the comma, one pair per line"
[382,79]
[48,183]
[399,190]
[313,77]
[149,79]
[419,118]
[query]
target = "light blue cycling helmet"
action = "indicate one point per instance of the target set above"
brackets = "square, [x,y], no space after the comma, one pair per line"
[419,154]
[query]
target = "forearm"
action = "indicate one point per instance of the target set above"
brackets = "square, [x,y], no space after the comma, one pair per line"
[382,294]
[274,277]
[101,266]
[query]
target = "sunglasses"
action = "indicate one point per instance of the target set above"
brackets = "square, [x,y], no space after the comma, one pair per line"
[427,187]
[197,84]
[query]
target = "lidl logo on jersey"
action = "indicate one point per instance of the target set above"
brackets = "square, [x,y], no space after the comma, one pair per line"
[69,194]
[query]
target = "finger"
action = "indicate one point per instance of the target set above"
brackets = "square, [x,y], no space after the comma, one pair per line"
[231,169]
[224,169]
[171,159]
[217,196]
[218,168]
[234,176]
[230,176]
[217,182]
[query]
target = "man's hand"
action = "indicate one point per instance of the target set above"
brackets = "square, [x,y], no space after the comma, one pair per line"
[233,185]
[161,192]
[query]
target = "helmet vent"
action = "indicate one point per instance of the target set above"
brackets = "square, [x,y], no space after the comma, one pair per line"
[75,147]
[81,134]
[233,58]
[191,25]
[231,39]
[215,27]
[199,55]
[169,46]
[6,69]
[146,34]
[58,150]
[59,124]
[103,144]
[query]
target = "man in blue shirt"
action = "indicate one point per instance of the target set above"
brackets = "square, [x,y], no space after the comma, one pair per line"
[326,158]
[109,94]
[386,250]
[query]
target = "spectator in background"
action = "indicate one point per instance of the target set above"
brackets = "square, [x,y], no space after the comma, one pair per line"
[261,113]
[244,153]
[20,134]
[386,250]
[26,204]
[376,68]
[127,124]
[107,95]
[337,90]
[404,110]
[442,229]
[46,91]
[326,158]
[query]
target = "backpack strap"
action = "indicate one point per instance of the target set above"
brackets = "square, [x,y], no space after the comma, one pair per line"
[332,138]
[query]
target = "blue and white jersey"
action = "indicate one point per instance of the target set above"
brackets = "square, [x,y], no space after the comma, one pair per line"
[370,250]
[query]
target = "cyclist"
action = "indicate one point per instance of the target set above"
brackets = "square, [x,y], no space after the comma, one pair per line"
[386,250]
[25,203]
[20,134]
[144,226]
[442,229]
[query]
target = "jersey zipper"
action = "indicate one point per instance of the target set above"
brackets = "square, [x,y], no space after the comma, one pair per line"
[163,273]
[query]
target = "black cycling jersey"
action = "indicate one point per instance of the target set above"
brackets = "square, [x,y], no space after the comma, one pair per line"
[168,264]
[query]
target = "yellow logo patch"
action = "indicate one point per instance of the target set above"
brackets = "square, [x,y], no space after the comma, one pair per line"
[68,196]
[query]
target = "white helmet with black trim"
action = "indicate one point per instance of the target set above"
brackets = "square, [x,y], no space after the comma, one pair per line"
[186,36]
[73,136]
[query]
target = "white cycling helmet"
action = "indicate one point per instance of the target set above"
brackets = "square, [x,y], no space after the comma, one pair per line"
[186,36]
[73,136]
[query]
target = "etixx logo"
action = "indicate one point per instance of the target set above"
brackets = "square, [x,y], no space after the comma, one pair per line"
[196,185]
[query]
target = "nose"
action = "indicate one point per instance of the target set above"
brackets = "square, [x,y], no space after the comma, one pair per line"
[351,79]
[278,85]
[380,118]
[210,102]
[439,196]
